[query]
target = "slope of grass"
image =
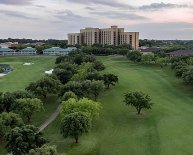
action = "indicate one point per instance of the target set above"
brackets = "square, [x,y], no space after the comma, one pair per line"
[164,130]
[23,75]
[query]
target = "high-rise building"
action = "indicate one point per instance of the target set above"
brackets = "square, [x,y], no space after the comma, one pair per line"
[106,36]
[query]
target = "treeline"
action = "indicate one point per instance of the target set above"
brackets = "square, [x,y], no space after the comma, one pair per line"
[98,49]
[78,82]
[24,41]
[165,43]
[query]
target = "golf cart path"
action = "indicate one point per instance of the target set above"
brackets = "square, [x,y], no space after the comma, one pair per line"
[50,119]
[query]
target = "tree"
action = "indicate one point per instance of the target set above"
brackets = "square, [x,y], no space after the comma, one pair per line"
[44,86]
[74,125]
[188,76]
[91,108]
[69,95]
[22,139]
[161,61]
[89,58]
[61,59]
[110,79]
[8,99]
[98,65]
[9,121]
[63,75]
[73,86]
[148,58]
[1,70]
[134,56]
[82,72]
[27,107]
[94,76]
[138,100]
[44,150]
[96,88]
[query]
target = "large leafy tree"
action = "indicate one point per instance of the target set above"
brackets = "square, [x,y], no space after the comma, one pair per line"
[69,95]
[74,125]
[44,150]
[96,88]
[27,107]
[63,75]
[8,99]
[110,79]
[73,86]
[44,86]
[22,139]
[138,100]
[188,76]
[134,56]
[82,71]
[91,108]
[148,58]
[94,76]
[9,121]
[98,65]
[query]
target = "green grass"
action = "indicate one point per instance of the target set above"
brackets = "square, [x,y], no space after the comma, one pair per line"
[23,75]
[164,130]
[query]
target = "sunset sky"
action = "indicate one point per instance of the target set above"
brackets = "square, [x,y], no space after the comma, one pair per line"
[154,19]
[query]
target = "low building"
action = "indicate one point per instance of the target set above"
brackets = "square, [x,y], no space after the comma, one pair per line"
[9,44]
[150,50]
[27,51]
[181,53]
[58,51]
[6,51]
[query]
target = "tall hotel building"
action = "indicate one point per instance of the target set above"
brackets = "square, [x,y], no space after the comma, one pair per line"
[107,36]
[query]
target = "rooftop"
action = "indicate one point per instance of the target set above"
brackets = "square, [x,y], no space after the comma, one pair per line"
[58,49]
[151,49]
[6,50]
[182,52]
[28,49]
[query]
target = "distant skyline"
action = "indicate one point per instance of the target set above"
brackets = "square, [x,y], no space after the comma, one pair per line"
[53,19]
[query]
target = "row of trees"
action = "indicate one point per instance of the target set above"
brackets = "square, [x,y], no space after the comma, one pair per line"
[106,49]
[82,82]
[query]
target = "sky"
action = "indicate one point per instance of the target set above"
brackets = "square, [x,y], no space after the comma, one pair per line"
[53,19]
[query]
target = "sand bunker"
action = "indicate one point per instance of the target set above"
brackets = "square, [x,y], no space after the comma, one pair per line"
[2,74]
[50,71]
[28,64]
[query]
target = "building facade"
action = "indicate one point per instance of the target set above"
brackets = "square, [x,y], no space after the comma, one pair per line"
[27,51]
[6,51]
[58,51]
[107,36]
